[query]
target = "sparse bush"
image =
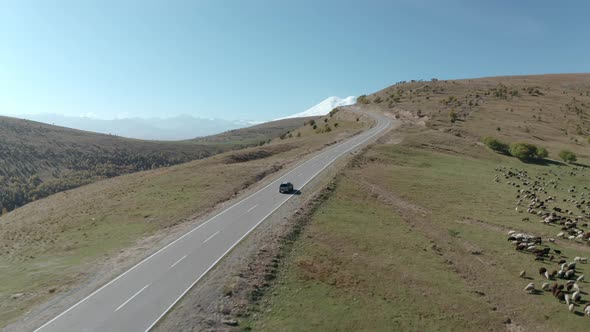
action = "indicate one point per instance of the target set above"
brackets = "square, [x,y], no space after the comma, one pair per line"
[542,153]
[377,100]
[298,134]
[314,127]
[363,100]
[568,156]
[453,116]
[336,125]
[453,233]
[496,145]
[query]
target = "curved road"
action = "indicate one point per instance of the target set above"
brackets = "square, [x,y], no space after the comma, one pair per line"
[137,299]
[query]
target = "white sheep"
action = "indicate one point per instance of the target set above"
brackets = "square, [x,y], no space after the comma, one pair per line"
[522,274]
[567,299]
[530,288]
[571,307]
[545,286]
[580,278]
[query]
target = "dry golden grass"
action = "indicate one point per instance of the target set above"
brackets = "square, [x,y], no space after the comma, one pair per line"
[557,118]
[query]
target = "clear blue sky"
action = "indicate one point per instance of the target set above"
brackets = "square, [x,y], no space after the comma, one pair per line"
[265,59]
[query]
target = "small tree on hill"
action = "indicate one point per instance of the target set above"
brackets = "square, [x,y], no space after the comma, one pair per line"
[526,151]
[542,153]
[453,116]
[496,145]
[568,156]
[363,100]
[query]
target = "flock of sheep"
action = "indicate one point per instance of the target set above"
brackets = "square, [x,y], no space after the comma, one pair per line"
[532,196]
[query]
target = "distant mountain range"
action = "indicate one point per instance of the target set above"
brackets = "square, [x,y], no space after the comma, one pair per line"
[168,129]
[179,127]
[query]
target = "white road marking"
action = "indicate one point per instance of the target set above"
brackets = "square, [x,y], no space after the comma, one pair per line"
[131,298]
[178,261]
[252,208]
[210,237]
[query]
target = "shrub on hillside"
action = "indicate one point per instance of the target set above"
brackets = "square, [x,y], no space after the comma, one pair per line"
[568,156]
[542,153]
[526,151]
[496,145]
[363,100]
[453,116]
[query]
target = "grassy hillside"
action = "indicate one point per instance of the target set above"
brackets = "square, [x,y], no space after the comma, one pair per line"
[548,110]
[56,244]
[256,134]
[37,160]
[414,238]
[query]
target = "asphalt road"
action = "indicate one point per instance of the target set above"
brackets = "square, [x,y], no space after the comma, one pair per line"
[137,299]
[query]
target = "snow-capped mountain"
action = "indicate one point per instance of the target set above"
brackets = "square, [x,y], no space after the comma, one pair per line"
[324,107]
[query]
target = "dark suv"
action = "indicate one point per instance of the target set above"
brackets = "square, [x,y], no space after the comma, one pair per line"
[286,187]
